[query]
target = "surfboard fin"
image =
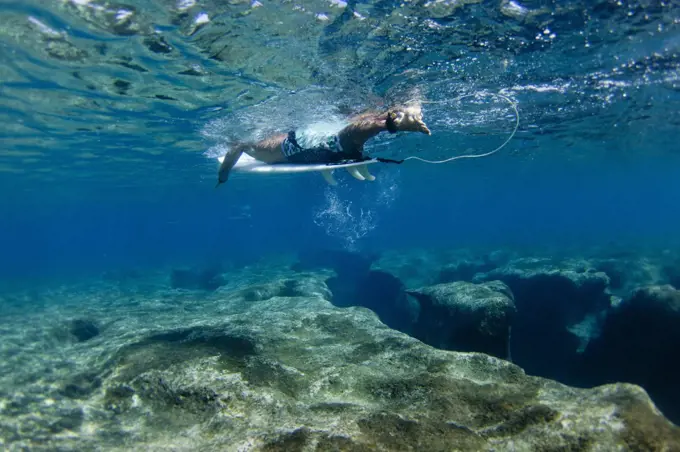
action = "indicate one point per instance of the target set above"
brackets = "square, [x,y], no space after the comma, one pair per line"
[363,170]
[328,177]
[355,173]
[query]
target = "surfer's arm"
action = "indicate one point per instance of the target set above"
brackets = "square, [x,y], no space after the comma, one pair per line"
[367,125]
[361,129]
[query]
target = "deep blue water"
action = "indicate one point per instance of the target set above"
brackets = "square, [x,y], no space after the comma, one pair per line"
[504,203]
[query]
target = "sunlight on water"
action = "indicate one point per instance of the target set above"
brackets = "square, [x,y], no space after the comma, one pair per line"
[313,108]
[89,79]
[472,114]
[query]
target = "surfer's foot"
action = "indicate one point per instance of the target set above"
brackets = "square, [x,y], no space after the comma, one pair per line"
[228,163]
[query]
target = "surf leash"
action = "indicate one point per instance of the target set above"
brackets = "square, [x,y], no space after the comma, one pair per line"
[513,105]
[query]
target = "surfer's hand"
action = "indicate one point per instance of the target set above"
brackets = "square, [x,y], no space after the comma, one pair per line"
[409,120]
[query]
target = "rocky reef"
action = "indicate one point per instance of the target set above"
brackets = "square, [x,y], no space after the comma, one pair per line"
[466,317]
[639,342]
[277,367]
[552,297]
[277,358]
[583,321]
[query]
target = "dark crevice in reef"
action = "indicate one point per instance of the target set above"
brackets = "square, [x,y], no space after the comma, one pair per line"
[355,284]
[570,328]
[378,291]
[83,329]
[347,265]
[640,343]
[555,319]
[548,303]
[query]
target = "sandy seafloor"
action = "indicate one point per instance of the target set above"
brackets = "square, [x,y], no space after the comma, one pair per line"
[267,362]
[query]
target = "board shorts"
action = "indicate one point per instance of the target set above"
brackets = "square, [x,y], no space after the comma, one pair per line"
[299,148]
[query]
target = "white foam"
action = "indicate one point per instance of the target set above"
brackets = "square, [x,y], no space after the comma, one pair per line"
[317,133]
[201,19]
[513,9]
[44,28]
[183,5]
[123,14]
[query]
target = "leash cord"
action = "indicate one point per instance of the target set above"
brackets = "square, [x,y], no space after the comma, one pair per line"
[469,156]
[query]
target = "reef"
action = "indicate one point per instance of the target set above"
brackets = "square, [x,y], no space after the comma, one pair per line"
[268,362]
[551,298]
[639,341]
[605,317]
[466,317]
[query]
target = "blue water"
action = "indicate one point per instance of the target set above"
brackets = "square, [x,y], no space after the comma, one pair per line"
[501,202]
[97,170]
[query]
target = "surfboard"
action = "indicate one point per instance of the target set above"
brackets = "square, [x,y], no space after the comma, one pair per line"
[357,168]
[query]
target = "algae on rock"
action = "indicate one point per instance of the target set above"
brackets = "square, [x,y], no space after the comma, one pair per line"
[292,372]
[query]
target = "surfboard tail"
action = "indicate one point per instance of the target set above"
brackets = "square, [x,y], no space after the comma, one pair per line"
[230,159]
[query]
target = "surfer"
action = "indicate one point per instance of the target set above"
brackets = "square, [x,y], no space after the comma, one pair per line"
[347,144]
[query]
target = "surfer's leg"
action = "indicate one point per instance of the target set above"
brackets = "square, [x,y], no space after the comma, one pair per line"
[267,150]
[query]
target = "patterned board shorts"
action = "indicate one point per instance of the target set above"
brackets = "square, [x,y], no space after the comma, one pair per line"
[326,151]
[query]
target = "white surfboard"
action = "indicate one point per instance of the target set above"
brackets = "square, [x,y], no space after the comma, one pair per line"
[358,169]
